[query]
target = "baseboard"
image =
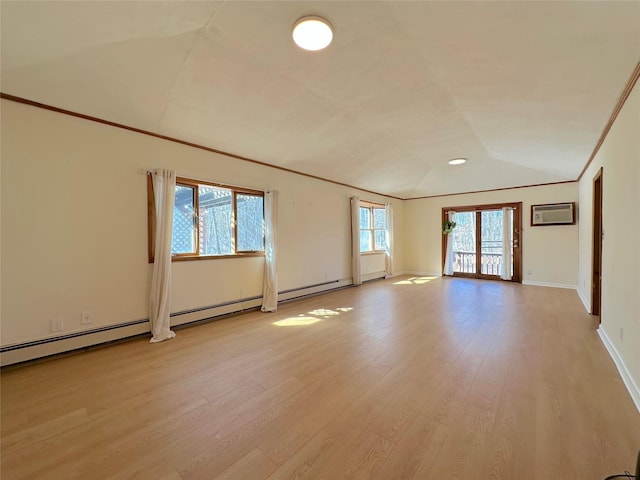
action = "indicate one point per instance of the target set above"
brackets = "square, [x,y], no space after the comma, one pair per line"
[295,293]
[585,302]
[367,277]
[397,274]
[631,385]
[44,347]
[548,284]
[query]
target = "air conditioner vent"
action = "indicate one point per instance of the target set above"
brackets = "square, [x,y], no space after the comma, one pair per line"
[553,214]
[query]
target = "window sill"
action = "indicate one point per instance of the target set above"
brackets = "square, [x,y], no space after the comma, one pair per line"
[187,258]
[376,252]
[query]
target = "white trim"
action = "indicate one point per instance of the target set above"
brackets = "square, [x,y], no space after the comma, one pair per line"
[587,304]
[396,274]
[236,306]
[633,389]
[74,343]
[553,285]
[325,287]
[372,276]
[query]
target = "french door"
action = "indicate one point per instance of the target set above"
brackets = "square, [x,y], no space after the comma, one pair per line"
[479,240]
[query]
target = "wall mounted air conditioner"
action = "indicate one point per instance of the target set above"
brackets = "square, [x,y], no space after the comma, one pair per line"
[553,214]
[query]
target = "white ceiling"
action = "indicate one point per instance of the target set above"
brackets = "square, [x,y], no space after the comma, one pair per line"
[522,89]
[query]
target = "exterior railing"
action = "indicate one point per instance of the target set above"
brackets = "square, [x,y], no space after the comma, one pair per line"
[465,262]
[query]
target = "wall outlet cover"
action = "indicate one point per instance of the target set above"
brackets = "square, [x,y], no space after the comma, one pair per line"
[57,325]
[86,318]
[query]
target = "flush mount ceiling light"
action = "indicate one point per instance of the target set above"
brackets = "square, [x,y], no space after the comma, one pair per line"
[457,161]
[312,33]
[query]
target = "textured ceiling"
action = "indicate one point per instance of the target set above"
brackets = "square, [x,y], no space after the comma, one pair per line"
[522,89]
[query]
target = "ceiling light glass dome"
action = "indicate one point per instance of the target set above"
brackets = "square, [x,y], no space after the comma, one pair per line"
[312,33]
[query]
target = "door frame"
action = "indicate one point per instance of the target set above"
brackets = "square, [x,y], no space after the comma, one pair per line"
[517,236]
[596,249]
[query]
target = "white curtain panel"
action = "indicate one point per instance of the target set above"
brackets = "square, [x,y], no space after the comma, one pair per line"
[388,248]
[507,228]
[164,190]
[355,241]
[270,288]
[448,259]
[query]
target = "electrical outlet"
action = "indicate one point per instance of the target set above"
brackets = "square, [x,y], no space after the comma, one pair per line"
[621,334]
[528,271]
[86,319]
[57,325]
[243,293]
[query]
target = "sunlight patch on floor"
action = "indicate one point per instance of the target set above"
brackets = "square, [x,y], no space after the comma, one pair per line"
[297,321]
[314,316]
[415,281]
[323,312]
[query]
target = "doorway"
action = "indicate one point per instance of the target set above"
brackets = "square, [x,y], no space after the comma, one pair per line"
[479,240]
[596,263]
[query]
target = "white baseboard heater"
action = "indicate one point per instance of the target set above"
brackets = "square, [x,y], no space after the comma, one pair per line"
[44,347]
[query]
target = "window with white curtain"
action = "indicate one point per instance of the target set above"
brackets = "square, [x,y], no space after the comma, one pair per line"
[213,221]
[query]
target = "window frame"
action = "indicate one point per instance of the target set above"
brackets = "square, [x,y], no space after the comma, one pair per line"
[194,184]
[371,207]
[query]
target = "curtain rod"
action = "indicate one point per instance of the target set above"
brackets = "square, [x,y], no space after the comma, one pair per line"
[149,171]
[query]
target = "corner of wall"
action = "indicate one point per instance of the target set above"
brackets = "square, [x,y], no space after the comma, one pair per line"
[584,299]
[631,385]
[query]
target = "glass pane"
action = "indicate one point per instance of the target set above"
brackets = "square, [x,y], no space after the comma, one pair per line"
[365,217]
[380,239]
[183,239]
[215,221]
[491,242]
[464,242]
[379,218]
[365,241]
[250,223]
[511,241]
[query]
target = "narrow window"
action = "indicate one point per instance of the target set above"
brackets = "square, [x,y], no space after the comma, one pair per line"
[373,227]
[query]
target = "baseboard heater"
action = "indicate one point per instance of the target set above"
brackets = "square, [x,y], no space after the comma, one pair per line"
[370,277]
[25,351]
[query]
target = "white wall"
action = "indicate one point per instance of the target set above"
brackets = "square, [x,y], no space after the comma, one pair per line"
[74,225]
[550,253]
[372,265]
[619,157]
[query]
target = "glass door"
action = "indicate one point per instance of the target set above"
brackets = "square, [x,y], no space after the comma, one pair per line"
[478,240]
[464,244]
[491,228]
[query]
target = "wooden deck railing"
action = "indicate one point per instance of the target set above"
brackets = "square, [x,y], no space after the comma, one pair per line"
[465,262]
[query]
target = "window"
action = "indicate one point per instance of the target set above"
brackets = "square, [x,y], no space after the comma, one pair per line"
[373,227]
[212,220]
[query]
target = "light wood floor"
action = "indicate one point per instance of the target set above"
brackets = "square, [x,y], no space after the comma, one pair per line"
[397,379]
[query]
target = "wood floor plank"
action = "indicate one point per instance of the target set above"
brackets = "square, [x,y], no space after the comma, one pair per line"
[463,453]
[255,465]
[300,465]
[404,378]
[418,448]
[347,424]
[512,441]
[360,459]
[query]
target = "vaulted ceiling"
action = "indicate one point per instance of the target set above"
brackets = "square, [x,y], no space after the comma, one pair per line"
[521,89]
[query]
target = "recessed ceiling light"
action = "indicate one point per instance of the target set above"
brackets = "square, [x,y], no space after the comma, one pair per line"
[457,161]
[312,33]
